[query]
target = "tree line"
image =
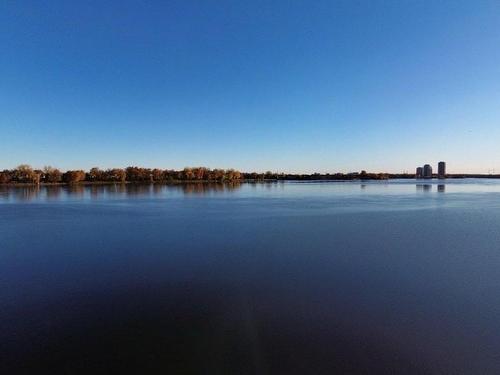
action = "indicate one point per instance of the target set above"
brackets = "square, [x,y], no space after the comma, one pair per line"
[26,174]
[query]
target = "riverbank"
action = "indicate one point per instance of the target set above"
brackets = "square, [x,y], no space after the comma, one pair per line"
[295,178]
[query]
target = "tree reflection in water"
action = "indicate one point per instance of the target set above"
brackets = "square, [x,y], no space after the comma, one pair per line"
[98,191]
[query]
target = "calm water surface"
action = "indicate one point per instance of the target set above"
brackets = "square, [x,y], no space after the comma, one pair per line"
[285,278]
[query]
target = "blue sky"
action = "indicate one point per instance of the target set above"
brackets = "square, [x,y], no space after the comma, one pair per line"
[293,86]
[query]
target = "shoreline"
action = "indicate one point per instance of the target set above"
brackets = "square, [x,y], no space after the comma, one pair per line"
[298,178]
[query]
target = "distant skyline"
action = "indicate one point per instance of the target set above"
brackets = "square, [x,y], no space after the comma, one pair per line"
[286,86]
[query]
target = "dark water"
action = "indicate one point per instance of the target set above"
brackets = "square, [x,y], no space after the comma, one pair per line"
[292,278]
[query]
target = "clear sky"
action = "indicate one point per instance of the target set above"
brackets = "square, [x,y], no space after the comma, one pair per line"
[293,86]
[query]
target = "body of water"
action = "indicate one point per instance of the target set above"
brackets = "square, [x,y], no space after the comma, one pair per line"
[274,278]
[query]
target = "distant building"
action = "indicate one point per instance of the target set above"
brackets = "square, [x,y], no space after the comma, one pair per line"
[420,172]
[442,169]
[427,171]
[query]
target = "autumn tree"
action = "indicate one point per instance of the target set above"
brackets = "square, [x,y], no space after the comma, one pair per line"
[95,174]
[169,175]
[51,174]
[73,177]
[200,173]
[188,174]
[25,174]
[5,177]
[137,174]
[157,174]
[236,175]
[115,175]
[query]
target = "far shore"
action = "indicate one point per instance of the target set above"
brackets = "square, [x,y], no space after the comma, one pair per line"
[25,175]
[294,178]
